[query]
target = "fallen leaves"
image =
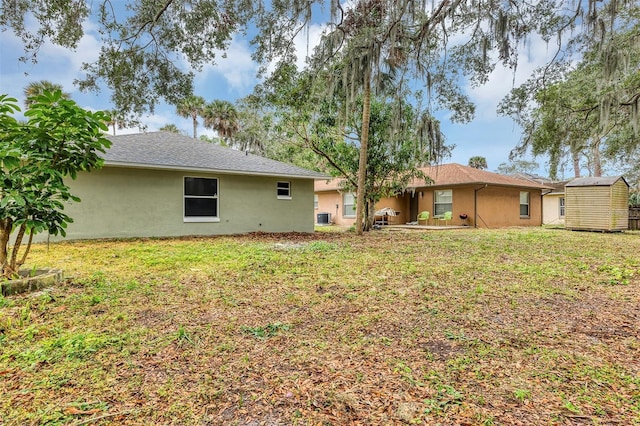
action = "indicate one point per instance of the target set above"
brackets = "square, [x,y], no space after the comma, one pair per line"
[73,411]
[509,326]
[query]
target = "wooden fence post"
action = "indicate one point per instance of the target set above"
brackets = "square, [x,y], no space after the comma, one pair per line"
[634,218]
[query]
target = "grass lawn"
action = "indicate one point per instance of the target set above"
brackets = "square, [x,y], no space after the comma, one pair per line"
[513,326]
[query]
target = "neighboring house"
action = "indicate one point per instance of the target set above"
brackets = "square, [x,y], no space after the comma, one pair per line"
[553,204]
[597,204]
[489,200]
[165,184]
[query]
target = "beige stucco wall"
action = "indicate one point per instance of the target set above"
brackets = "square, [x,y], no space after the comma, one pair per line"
[551,209]
[331,202]
[462,202]
[497,206]
[126,202]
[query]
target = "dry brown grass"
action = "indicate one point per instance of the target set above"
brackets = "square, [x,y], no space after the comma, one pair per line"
[464,327]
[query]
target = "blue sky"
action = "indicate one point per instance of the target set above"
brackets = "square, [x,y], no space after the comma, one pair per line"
[233,77]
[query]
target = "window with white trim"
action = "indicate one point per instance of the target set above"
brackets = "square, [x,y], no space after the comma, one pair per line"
[561,206]
[315,201]
[201,199]
[524,204]
[442,201]
[284,190]
[348,204]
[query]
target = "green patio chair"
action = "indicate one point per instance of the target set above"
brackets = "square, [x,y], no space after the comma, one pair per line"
[423,216]
[446,216]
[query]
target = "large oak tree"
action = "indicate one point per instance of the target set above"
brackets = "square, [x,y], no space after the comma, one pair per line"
[438,43]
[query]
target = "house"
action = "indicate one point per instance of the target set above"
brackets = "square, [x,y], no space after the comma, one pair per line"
[489,200]
[553,204]
[597,204]
[165,184]
[553,200]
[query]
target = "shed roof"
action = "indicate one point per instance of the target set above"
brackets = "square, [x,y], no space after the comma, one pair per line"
[172,151]
[453,174]
[596,181]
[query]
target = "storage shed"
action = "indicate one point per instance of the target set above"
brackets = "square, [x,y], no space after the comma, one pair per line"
[597,204]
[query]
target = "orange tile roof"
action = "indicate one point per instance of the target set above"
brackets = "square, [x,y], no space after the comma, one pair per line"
[450,175]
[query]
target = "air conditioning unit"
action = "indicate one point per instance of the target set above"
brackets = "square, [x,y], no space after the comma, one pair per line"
[323,218]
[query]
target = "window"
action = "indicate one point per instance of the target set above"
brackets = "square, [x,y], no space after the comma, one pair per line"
[348,205]
[200,200]
[524,204]
[315,201]
[561,206]
[284,190]
[442,201]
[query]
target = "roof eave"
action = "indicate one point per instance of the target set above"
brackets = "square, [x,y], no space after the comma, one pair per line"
[206,170]
[448,185]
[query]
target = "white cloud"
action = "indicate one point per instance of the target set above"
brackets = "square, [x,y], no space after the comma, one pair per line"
[306,41]
[54,63]
[236,67]
[87,51]
[533,55]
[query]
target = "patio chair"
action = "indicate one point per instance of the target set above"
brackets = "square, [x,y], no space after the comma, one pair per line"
[423,216]
[446,216]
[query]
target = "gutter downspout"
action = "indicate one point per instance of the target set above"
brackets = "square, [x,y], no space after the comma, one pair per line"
[475,205]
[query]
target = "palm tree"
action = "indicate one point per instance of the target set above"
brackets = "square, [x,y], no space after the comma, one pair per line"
[116,119]
[191,107]
[478,162]
[222,117]
[170,128]
[36,88]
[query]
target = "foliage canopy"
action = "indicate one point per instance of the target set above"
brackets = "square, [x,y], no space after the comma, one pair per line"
[59,140]
[145,41]
[587,110]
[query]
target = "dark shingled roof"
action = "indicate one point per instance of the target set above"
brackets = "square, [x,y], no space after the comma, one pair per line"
[166,150]
[596,181]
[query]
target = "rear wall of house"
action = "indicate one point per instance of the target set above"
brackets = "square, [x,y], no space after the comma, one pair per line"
[125,202]
[332,202]
[497,206]
[500,207]
[462,202]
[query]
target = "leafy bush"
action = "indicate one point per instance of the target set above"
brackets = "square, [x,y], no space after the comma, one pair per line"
[59,140]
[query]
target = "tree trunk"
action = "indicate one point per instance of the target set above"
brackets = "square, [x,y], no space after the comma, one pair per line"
[16,247]
[26,251]
[575,156]
[370,215]
[5,233]
[595,152]
[195,126]
[364,144]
